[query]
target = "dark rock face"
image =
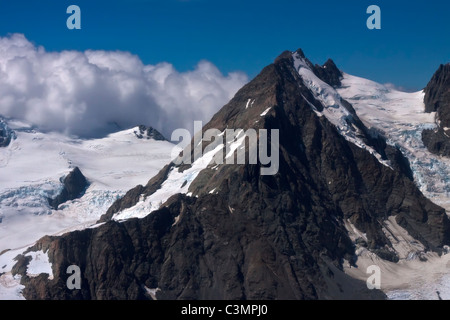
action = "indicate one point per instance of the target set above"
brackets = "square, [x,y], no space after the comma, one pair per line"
[437,99]
[259,237]
[74,186]
[437,141]
[148,133]
[437,93]
[4,138]
[207,254]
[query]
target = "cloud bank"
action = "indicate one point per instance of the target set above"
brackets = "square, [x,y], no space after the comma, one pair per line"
[89,93]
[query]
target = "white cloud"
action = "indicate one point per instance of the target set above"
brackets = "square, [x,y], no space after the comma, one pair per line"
[400,88]
[86,93]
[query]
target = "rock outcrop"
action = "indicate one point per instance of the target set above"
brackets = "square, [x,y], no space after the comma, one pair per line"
[6,134]
[75,185]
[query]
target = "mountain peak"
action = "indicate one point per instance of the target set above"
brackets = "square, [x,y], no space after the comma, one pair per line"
[288,55]
[300,53]
[284,55]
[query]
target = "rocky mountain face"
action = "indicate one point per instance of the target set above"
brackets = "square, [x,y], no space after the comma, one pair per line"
[437,99]
[74,186]
[238,234]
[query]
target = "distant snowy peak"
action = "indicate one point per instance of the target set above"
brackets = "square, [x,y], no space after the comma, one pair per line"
[143,132]
[140,132]
[6,134]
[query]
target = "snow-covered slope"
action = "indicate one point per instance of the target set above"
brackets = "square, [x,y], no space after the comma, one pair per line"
[32,168]
[401,117]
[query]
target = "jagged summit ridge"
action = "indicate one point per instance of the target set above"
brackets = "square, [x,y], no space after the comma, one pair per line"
[328,72]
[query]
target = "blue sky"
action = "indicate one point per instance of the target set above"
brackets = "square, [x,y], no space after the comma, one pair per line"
[247,35]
